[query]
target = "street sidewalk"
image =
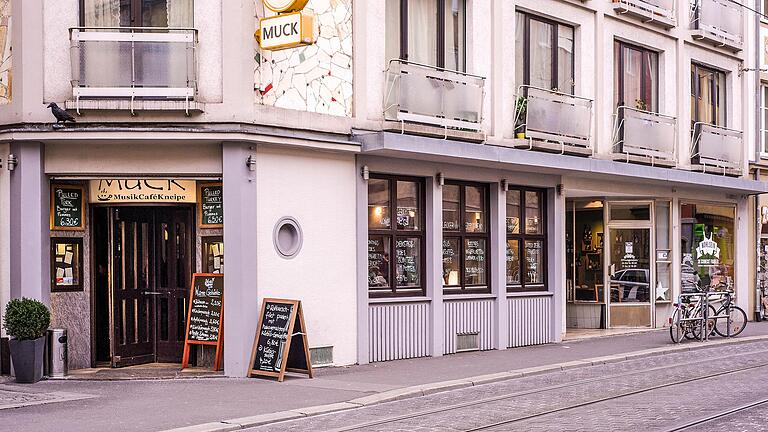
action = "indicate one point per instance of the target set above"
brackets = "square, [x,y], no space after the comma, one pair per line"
[221,404]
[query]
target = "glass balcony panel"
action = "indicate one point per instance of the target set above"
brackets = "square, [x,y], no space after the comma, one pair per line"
[160,64]
[558,117]
[722,19]
[647,134]
[420,93]
[463,100]
[718,147]
[104,64]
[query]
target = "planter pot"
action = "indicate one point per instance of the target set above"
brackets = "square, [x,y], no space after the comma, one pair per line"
[27,359]
[520,135]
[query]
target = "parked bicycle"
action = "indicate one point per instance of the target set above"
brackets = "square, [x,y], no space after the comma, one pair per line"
[730,320]
[696,311]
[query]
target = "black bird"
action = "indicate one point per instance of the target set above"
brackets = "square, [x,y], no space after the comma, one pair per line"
[60,114]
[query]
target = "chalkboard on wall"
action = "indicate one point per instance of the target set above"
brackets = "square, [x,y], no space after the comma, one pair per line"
[280,344]
[210,205]
[206,314]
[67,207]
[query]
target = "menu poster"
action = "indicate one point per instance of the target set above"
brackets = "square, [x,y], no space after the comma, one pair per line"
[210,205]
[206,314]
[280,344]
[67,207]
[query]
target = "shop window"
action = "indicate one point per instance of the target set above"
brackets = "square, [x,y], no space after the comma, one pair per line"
[543,53]
[764,119]
[136,13]
[707,240]
[465,238]
[213,254]
[66,264]
[430,32]
[707,95]
[395,239]
[636,77]
[526,243]
[630,212]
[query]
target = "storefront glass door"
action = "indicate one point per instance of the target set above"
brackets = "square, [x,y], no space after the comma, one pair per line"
[630,277]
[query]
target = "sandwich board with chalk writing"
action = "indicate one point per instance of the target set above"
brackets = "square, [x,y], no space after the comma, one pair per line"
[205,315]
[280,344]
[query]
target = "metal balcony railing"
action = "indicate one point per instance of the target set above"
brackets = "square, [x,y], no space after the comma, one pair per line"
[133,62]
[719,22]
[661,12]
[548,115]
[644,133]
[434,96]
[717,147]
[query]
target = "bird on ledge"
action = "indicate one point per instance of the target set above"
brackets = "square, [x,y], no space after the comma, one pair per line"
[61,115]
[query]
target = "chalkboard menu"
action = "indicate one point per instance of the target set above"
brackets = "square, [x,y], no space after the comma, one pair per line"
[210,205]
[206,314]
[67,207]
[281,341]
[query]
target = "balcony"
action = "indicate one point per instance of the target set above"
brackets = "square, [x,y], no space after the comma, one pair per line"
[644,137]
[133,68]
[717,149]
[658,12]
[553,121]
[417,94]
[718,22]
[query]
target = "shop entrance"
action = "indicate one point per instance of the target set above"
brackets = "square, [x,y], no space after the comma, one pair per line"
[630,277]
[148,254]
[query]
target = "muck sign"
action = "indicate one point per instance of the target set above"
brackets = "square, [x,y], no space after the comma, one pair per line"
[142,190]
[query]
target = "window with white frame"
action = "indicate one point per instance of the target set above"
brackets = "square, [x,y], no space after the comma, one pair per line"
[764,120]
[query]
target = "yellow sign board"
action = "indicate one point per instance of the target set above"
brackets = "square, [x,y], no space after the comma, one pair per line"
[286,31]
[150,190]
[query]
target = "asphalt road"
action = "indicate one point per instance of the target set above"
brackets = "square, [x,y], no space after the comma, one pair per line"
[662,393]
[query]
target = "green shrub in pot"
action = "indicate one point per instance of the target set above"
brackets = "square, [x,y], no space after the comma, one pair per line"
[26,321]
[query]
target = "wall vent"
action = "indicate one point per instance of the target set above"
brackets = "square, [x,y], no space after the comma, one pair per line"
[467,342]
[321,356]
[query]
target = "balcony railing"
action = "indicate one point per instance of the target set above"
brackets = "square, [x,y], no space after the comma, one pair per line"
[551,116]
[717,149]
[719,22]
[660,12]
[644,134]
[133,63]
[418,93]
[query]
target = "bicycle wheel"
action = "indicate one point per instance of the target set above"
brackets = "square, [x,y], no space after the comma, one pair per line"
[738,320]
[695,327]
[676,332]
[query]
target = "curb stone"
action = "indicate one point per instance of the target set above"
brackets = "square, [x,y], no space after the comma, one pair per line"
[431,388]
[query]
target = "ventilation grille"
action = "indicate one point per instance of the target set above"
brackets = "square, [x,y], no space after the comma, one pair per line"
[321,356]
[467,342]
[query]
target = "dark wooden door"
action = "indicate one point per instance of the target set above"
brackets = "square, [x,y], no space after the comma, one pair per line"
[132,261]
[175,243]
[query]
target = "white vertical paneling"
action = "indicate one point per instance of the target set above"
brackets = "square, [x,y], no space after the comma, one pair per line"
[468,316]
[397,331]
[530,320]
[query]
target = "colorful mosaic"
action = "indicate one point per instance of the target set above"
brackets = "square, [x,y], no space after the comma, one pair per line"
[315,78]
[5,46]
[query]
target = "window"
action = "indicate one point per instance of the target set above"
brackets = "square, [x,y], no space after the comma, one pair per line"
[430,32]
[465,238]
[136,13]
[395,238]
[526,240]
[707,95]
[764,118]
[66,264]
[543,53]
[636,77]
[707,240]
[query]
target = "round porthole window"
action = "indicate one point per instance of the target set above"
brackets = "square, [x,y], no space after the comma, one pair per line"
[287,237]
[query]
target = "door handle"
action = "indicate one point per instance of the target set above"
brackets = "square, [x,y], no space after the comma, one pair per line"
[153,293]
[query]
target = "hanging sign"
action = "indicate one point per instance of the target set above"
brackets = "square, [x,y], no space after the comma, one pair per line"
[289,28]
[280,344]
[67,207]
[206,315]
[210,205]
[279,6]
[142,191]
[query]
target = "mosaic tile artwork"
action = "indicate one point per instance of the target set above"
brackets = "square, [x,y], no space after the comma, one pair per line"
[315,78]
[5,46]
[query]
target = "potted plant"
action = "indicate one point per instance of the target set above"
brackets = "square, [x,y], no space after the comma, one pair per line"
[521,110]
[26,321]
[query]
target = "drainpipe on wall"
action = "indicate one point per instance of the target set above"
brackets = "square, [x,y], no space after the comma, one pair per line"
[758,229]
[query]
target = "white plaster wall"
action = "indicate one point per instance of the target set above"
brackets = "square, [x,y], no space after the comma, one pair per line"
[318,190]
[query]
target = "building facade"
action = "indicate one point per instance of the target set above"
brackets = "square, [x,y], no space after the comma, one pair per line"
[428,177]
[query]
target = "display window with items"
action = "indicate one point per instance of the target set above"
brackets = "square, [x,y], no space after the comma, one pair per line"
[707,245]
[526,240]
[395,236]
[465,238]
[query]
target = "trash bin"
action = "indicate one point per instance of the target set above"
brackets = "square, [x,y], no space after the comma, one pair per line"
[56,359]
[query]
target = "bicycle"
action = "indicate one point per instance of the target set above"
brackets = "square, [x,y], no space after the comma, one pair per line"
[688,318]
[730,320]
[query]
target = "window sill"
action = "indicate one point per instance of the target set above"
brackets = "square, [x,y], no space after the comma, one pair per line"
[468,296]
[530,294]
[382,300]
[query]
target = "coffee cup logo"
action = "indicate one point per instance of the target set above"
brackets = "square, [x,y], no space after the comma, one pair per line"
[280,6]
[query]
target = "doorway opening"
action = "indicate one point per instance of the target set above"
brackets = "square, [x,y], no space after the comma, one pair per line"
[143,259]
[585,230]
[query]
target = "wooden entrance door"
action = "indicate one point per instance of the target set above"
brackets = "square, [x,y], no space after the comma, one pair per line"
[151,262]
[174,239]
[132,262]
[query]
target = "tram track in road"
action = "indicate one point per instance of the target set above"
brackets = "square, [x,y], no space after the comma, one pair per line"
[480,402]
[718,416]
